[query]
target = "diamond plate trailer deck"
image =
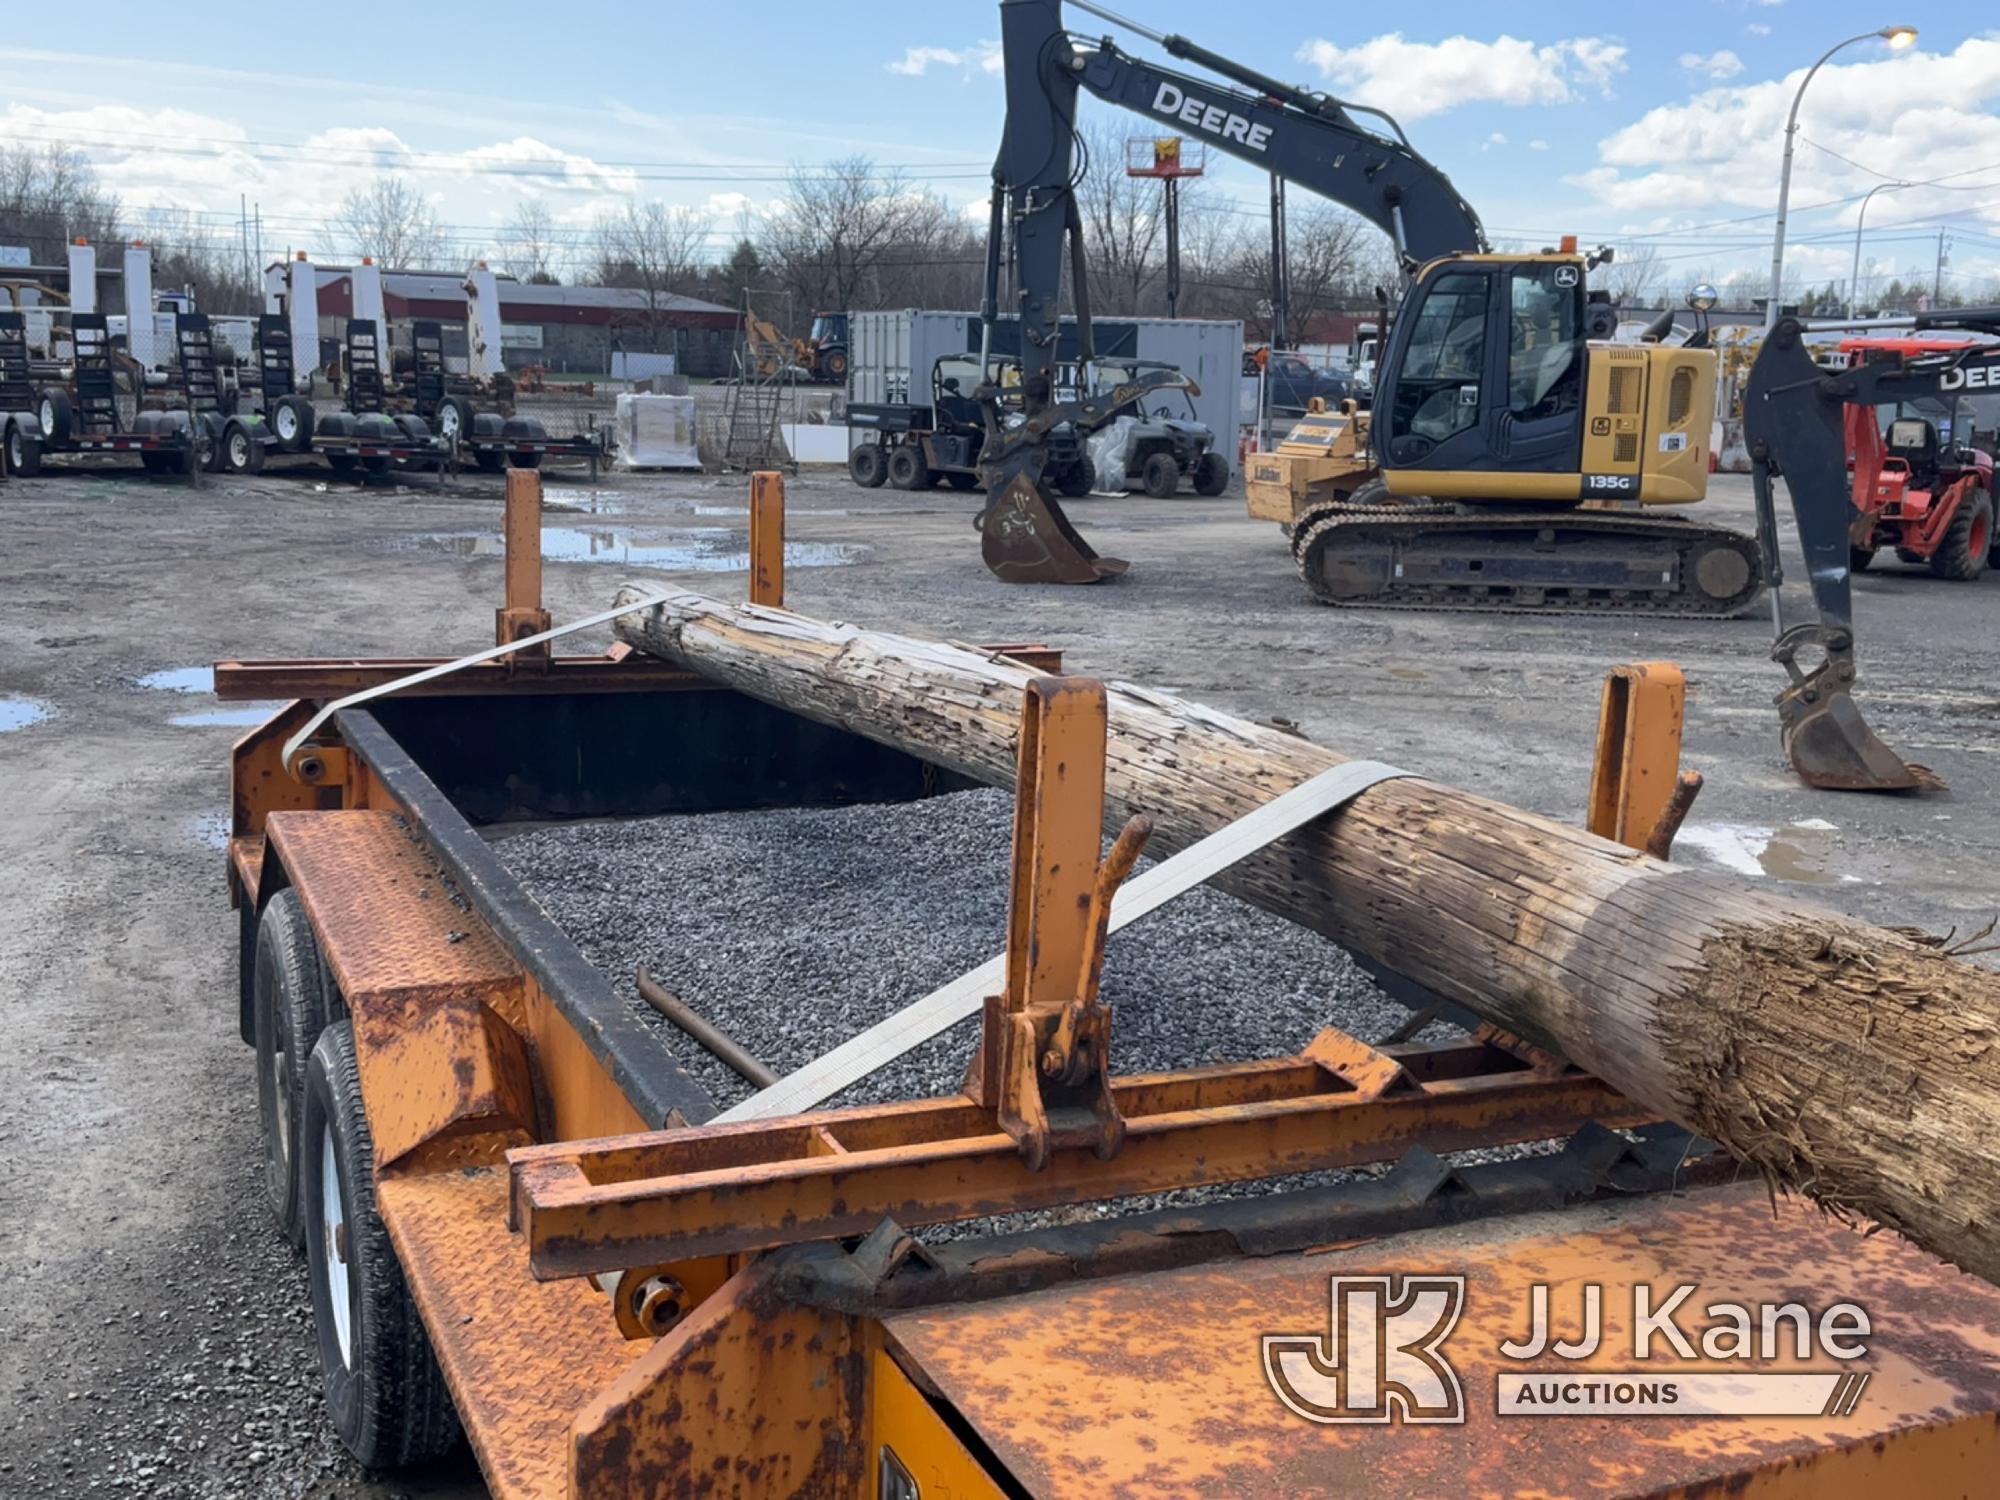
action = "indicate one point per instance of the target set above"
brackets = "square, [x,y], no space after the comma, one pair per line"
[622,1301]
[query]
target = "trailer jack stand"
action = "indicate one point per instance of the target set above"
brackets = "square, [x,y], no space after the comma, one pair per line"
[1830,744]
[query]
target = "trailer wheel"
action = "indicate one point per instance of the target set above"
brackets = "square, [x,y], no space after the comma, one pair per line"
[866,466]
[53,410]
[488,461]
[377,464]
[1967,544]
[454,418]
[525,460]
[288,1012]
[384,1390]
[292,421]
[24,453]
[1160,476]
[907,469]
[1211,474]
[342,463]
[242,453]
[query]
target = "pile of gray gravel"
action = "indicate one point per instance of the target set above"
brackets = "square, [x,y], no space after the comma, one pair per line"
[794,929]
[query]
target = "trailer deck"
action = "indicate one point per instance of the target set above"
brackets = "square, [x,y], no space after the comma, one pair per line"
[623,1299]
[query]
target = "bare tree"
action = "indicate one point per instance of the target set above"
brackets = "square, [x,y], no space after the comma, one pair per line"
[840,230]
[189,254]
[49,196]
[1124,232]
[530,243]
[1634,277]
[653,249]
[391,221]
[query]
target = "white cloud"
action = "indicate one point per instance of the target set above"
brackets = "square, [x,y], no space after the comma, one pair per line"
[1917,112]
[1415,79]
[1723,64]
[918,61]
[1758,28]
[1538,144]
[1495,139]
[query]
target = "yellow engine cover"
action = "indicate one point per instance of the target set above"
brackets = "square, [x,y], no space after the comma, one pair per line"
[1325,454]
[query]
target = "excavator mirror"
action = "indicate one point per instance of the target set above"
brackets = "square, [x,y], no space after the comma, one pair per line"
[1702,297]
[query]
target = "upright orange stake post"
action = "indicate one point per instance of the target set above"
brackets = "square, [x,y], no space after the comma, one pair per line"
[767,538]
[523,615]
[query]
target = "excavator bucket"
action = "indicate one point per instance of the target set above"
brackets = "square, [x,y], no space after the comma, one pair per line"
[1026,538]
[1830,744]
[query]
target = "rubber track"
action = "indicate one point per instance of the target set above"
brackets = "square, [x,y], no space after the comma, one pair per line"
[1420,517]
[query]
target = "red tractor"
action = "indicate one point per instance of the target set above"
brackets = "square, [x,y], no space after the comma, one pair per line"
[1921,483]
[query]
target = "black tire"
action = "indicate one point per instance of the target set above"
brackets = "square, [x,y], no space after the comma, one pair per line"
[960,480]
[907,469]
[1904,554]
[1967,544]
[377,464]
[24,452]
[867,467]
[454,418]
[1211,474]
[1859,559]
[292,422]
[834,363]
[384,1390]
[152,463]
[1078,480]
[214,459]
[342,463]
[525,460]
[288,1011]
[52,411]
[1160,476]
[488,461]
[242,450]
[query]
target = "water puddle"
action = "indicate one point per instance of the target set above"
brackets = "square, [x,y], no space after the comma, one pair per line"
[19,713]
[210,829]
[1797,852]
[703,550]
[583,501]
[240,716]
[180,680]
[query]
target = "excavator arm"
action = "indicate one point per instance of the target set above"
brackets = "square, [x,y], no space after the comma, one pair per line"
[1793,425]
[1305,137]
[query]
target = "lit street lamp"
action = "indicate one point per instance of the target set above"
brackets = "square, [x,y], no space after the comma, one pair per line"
[1897,37]
[1854,277]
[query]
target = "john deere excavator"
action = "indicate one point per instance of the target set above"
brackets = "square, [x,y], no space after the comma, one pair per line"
[1515,457]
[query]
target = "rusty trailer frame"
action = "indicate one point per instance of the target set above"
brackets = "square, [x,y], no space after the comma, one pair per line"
[623,1300]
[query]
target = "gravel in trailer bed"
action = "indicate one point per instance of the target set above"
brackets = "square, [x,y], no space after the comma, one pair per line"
[794,929]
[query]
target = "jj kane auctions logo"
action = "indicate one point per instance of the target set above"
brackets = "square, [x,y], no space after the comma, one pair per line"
[1381,1357]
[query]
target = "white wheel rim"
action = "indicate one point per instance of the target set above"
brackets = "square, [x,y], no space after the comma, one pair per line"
[239,450]
[48,418]
[448,421]
[15,450]
[333,1214]
[288,423]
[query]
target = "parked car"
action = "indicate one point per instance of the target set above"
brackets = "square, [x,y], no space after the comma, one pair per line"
[1292,381]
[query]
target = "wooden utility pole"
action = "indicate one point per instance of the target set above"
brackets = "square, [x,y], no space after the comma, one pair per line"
[1842,1060]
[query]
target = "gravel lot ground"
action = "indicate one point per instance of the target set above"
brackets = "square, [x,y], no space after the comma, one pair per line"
[148,1318]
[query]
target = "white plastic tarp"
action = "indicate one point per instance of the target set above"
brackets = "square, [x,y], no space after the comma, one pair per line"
[655,432]
[1110,447]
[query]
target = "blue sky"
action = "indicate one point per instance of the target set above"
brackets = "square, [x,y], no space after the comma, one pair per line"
[1653,124]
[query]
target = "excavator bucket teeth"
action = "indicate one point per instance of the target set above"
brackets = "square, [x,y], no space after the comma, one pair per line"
[1026,538]
[1833,748]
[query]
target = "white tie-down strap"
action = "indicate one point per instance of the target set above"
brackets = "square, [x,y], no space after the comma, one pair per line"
[887,1040]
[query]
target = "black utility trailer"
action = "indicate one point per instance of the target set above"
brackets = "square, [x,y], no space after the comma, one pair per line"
[87,421]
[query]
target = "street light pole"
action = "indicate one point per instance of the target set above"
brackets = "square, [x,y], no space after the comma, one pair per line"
[1854,277]
[1897,37]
